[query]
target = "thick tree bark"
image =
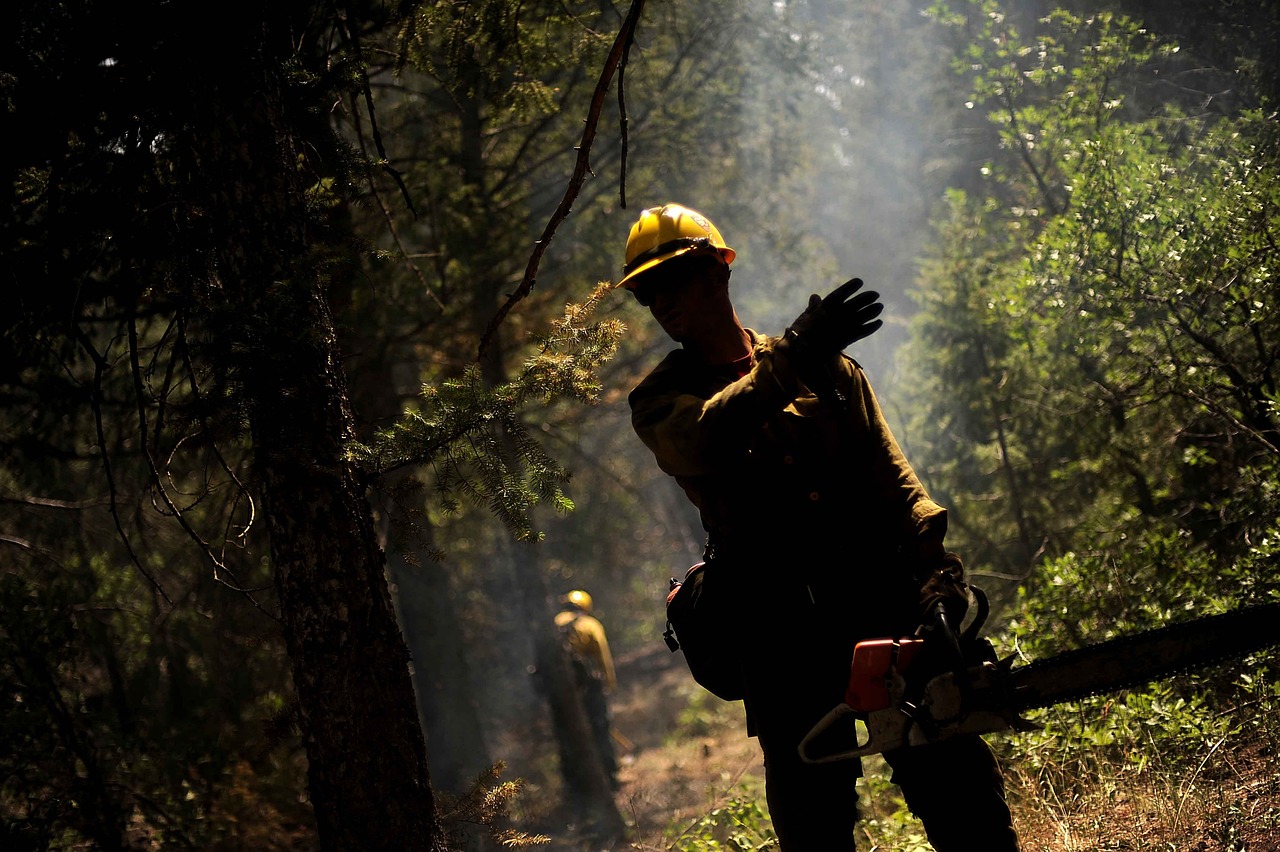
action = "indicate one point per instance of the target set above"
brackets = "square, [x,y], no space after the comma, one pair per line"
[271,326]
[367,759]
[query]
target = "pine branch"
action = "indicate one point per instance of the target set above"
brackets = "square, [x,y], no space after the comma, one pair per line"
[460,428]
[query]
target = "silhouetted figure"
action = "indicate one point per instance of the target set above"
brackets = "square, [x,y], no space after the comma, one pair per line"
[593,670]
[819,532]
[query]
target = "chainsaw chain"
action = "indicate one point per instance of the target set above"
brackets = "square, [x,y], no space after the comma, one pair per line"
[1129,661]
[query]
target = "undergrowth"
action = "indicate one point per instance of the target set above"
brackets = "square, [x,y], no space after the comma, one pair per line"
[740,824]
[704,714]
[1185,765]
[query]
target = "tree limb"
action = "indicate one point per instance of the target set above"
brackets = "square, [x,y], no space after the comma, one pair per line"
[621,46]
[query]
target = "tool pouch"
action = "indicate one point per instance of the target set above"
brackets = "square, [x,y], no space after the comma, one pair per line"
[703,623]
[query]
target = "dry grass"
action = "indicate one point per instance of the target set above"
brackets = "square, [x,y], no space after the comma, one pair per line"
[1229,803]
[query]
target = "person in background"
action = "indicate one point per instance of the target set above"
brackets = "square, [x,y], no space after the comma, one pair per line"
[818,529]
[593,670]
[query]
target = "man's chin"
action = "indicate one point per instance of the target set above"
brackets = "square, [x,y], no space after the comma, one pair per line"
[675,331]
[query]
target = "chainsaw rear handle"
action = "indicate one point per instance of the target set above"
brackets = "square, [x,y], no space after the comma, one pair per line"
[825,723]
[980,614]
[938,629]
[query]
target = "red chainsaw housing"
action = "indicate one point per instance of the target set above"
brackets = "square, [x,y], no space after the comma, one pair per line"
[873,660]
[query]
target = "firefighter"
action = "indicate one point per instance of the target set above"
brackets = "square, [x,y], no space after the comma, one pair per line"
[817,527]
[593,670]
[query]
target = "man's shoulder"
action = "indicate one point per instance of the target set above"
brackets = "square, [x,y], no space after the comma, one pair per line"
[668,374]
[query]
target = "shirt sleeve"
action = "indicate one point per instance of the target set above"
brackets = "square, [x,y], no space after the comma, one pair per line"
[605,658]
[897,480]
[691,434]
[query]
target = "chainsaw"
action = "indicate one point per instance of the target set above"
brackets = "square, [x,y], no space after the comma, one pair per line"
[928,688]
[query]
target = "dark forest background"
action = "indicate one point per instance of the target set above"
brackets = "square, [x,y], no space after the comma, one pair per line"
[312,402]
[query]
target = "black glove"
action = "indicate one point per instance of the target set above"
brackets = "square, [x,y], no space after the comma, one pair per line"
[943,586]
[826,327]
[830,324]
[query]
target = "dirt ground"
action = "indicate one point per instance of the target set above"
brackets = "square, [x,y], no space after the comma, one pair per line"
[689,749]
[681,751]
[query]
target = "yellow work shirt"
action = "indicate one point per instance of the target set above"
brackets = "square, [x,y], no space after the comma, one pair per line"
[761,457]
[587,639]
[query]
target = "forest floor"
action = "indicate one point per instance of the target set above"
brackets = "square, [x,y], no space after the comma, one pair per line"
[689,756]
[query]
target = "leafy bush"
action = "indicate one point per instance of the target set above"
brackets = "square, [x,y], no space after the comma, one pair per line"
[739,825]
[705,714]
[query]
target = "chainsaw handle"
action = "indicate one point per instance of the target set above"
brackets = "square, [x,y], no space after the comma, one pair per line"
[957,639]
[938,631]
[828,721]
[980,617]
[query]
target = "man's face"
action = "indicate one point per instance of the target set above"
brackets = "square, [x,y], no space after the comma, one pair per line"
[687,299]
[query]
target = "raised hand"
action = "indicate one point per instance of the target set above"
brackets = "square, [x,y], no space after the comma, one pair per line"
[829,324]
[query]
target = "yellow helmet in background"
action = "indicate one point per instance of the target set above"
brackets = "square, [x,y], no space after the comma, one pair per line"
[667,232]
[578,598]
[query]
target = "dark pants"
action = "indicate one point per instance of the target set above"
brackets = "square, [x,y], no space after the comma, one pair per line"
[797,649]
[596,704]
[813,806]
[954,788]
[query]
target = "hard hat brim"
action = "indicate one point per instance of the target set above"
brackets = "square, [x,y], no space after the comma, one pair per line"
[629,280]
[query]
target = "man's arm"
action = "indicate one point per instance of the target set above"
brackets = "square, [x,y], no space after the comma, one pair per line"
[690,434]
[938,574]
[924,521]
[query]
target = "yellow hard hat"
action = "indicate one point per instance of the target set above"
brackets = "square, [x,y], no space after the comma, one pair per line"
[666,232]
[578,598]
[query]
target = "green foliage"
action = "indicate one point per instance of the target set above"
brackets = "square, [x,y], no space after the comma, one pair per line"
[1100,323]
[704,713]
[473,436]
[885,820]
[1095,366]
[738,825]
[1155,579]
[1164,733]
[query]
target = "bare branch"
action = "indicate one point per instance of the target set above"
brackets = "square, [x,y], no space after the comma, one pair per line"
[50,503]
[622,123]
[157,481]
[621,46]
[353,38]
[99,365]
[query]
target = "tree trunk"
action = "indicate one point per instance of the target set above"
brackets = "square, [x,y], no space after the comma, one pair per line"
[270,325]
[450,712]
[367,759]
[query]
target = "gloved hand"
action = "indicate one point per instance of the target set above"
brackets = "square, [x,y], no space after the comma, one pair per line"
[826,327]
[943,585]
[843,316]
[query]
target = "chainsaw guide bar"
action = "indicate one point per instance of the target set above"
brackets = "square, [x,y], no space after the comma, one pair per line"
[991,695]
[1128,661]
